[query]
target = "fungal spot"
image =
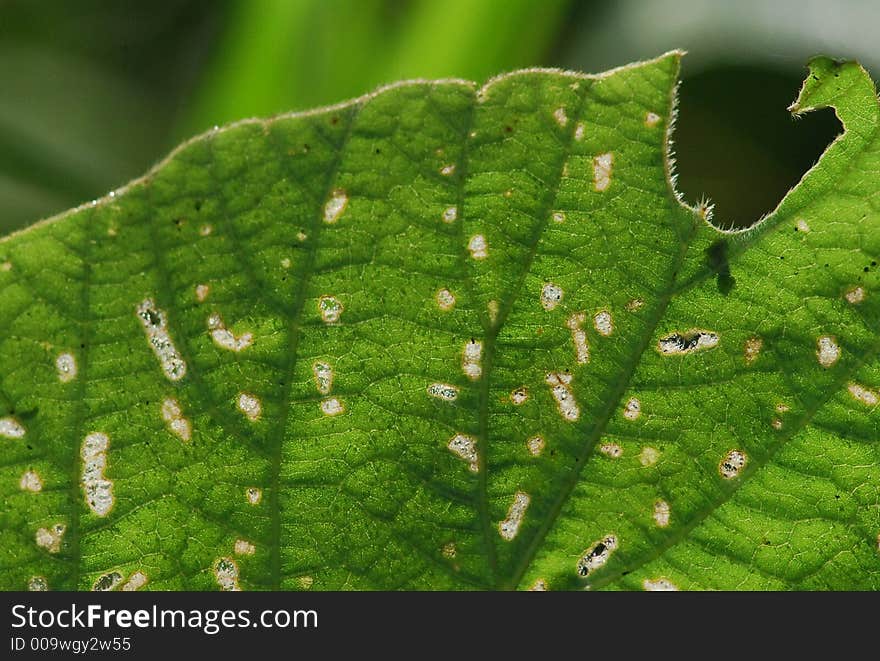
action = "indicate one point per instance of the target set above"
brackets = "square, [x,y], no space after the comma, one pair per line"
[38,584]
[551,295]
[65,366]
[471,361]
[443,391]
[751,349]
[649,456]
[661,513]
[478,247]
[465,448]
[174,418]
[633,409]
[732,464]
[782,408]
[98,490]
[330,308]
[558,217]
[449,550]
[332,407]
[602,166]
[224,338]
[651,119]
[596,556]
[335,206]
[243,547]
[51,538]
[250,406]
[492,309]
[155,325]
[802,225]
[226,574]
[863,395]
[579,131]
[540,585]
[323,374]
[450,214]
[107,582]
[519,396]
[560,116]
[205,230]
[202,292]
[447,170]
[776,424]
[612,450]
[301,236]
[535,445]
[603,323]
[659,585]
[445,299]
[510,526]
[579,337]
[135,582]
[634,304]
[30,481]
[827,351]
[254,495]
[565,402]
[855,295]
[11,428]
[685,343]
[285,263]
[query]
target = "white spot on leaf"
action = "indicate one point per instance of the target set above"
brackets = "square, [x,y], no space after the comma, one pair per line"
[447,170]
[551,295]
[65,366]
[30,481]
[174,418]
[224,338]
[863,395]
[155,325]
[827,351]
[445,299]
[602,166]
[732,464]
[649,456]
[205,230]
[560,116]
[471,361]
[633,409]
[692,341]
[510,526]
[323,374]
[250,406]
[565,402]
[202,292]
[243,547]
[540,585]
[51,538]
[450,214]
[802,225]
[612,450]
[659,585]
[597,555]
[855,295]
[465,448]
[97,488]
[332,406]
[579,337]
[651,119]
[478,247]
[603,323]
[226,574]
[330,308]
[38,584]
[535,445]
[11,428]
[661,513]
[335,206]
[558,217]
[135,582]
[579,131]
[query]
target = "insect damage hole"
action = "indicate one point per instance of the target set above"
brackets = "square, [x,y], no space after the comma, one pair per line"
[51,538]
[691,341]
[65,366]
[30,481]
[565,402]
[509,528]
[253,495]
[519,396]
[827,351]
[551,296]
[224,338]
[173,416]
[465,447]
[98,490]
[602,167]
[11,428]
[596,556]
[155,324]
[732,464]
[335,206]
[579,337]
[250,406]
[450,214]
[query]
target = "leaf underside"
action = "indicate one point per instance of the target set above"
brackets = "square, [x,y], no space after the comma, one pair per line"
[449,337]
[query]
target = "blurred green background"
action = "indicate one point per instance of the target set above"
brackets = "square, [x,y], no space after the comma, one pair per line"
[93,92]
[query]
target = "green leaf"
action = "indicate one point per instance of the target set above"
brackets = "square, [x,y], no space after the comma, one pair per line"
[449,337]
